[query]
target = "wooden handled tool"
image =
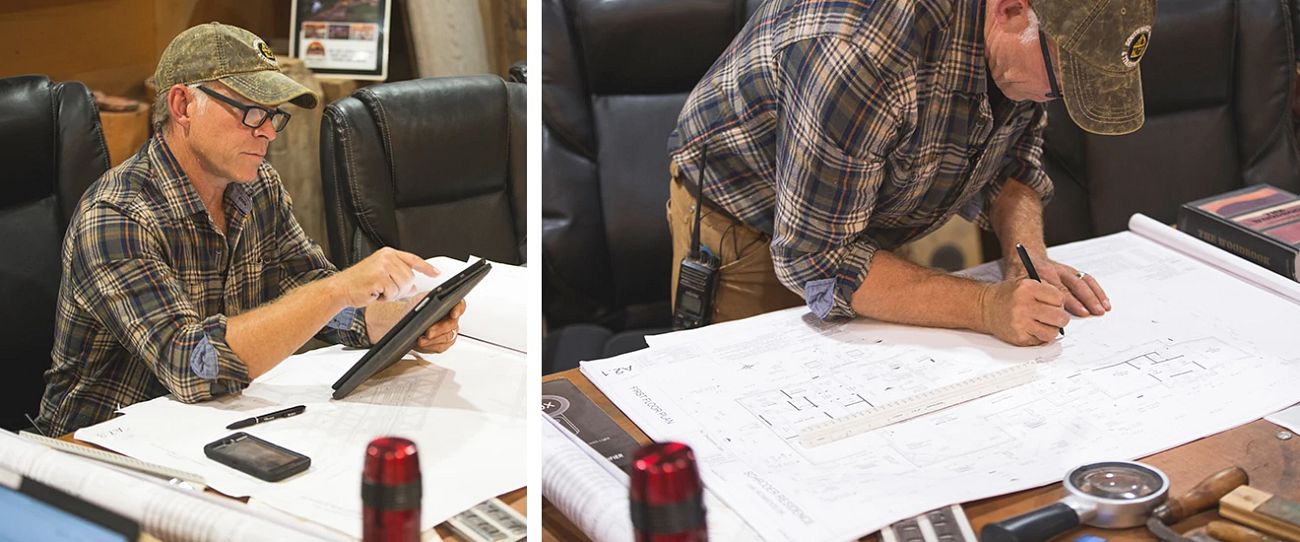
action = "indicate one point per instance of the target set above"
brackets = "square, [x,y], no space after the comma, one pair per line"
[1264,511]
[1231,532]
[1202,497]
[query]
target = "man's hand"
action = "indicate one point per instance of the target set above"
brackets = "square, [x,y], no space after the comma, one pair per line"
[1022,312]
[1084,294]
[386,275]
[381,317]
[442,334]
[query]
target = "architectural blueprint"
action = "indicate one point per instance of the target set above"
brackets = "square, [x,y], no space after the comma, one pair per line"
[1133,382]
[464,409]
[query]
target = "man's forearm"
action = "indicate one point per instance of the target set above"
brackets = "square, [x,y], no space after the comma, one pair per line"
[896,290]
[265,336]
[1017,217]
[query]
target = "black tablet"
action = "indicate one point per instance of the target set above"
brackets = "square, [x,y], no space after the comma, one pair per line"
[399,340]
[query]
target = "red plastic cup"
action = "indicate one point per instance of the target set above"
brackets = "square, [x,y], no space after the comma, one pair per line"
[667,497]
[390,491]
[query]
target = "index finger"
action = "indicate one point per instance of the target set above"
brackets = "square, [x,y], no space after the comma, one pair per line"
[1047,293]
[417,263]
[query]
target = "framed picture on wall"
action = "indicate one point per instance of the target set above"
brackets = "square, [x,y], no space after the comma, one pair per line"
[347,38]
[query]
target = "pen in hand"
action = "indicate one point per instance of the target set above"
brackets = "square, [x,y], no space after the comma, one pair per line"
[1033,274]
[286,413]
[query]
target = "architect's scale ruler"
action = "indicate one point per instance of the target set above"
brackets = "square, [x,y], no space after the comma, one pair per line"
[193,480]
[917,405]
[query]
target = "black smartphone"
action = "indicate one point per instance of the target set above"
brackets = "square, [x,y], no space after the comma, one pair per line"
[249,454]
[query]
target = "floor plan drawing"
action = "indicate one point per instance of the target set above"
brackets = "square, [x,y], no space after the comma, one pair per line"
[1120,386]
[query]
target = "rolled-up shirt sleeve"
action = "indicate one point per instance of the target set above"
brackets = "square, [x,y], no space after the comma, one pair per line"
[120,275]
[1023,162]
[838,116]
[302,261]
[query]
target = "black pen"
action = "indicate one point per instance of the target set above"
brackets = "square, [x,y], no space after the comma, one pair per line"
[1029,268]
[286,413]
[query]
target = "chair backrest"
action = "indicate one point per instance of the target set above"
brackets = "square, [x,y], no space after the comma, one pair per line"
[433,166]
[616,75]
[1218,81]
[53,148]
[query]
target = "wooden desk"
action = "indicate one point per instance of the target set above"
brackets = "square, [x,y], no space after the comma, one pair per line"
[517,499]
[1273,465]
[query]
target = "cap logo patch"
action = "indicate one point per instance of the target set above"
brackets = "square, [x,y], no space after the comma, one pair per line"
[1136,46]
[264,50]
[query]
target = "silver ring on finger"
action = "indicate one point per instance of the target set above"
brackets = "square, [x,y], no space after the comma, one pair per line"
[1080,275]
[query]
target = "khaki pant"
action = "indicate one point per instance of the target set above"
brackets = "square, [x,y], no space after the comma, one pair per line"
[747,283]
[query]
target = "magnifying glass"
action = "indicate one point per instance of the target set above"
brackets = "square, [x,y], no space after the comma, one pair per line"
[1110,495]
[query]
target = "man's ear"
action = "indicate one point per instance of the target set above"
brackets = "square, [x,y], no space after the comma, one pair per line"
[1011,14]
[179,100]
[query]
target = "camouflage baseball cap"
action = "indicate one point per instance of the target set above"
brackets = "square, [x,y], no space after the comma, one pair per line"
[233,56]
[1101,43]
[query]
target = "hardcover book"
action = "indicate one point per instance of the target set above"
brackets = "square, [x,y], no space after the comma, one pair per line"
[1260,223]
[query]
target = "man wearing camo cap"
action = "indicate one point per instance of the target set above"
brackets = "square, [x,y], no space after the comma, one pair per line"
[829,134]
[184,270]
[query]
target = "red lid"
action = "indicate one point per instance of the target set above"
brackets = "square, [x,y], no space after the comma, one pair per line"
[391,461]
[664,473]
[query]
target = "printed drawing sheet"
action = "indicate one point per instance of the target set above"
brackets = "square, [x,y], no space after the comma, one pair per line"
[496,310]
[464,409]
[1188,351]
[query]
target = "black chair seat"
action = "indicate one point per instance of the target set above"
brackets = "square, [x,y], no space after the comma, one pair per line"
[564,348]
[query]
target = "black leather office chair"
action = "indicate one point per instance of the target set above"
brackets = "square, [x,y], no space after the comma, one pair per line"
[616,75]
[52,148]
[432,166]
[1218,81]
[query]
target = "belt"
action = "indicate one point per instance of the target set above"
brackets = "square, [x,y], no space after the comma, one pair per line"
[692,189]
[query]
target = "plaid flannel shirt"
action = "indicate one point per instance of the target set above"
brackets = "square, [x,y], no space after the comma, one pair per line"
[843,127]
[148,284]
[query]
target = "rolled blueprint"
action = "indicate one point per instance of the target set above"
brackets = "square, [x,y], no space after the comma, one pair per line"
[1226,261]
[593,493]
[592,497]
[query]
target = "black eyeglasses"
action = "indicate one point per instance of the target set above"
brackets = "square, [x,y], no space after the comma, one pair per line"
[1051,73]
[254,115]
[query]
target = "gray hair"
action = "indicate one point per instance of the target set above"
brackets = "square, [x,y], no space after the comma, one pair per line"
[162,114]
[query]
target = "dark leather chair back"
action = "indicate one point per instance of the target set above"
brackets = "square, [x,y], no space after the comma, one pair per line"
[433,166]
[1218,81]
[616,75]
[52,148]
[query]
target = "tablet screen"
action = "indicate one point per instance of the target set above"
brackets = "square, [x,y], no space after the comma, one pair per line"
[23,518]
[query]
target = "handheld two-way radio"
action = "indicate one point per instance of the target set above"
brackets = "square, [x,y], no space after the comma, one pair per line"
[697,278]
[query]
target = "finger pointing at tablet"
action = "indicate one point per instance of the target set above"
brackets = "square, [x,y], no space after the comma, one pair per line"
[386,275]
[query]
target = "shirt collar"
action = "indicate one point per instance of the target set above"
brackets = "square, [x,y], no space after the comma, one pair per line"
[960,37]
[179,196]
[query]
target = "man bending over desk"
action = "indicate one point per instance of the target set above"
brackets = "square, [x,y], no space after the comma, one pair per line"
[830,133]
[184,270]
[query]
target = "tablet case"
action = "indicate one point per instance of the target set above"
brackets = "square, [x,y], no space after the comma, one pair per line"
[399,340]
